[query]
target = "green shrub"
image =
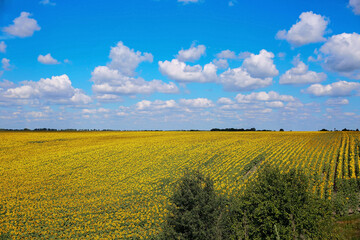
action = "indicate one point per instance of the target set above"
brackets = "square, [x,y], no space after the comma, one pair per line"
[195,210]
[281,206]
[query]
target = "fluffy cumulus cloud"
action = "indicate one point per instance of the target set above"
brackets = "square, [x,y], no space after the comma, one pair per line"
[126,60]
[94,111]
[261,65]
[238,79]
[342,54]
[336,89]
[221,63]
[258,105]
[225,101]
[112,81]
[2,47]
[117,78]
[23,26]
[192,54]
[355,4]
[300,74]
[57,89]
[226,54]
[5,64]
[256,72]
[182,72]
[309,29]
[47,59]
[157,105]
[180,105]
[263,96]
[197,103]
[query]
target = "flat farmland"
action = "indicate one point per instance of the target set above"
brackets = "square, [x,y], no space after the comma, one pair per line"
[106,185]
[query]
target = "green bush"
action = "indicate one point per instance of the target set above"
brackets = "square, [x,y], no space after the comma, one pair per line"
[195,210]
[274,206]
[281,206]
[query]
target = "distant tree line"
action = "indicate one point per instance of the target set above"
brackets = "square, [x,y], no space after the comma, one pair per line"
[237,129]
[155,130]
[344,129]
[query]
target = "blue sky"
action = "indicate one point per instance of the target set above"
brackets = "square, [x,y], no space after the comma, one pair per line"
[180,64]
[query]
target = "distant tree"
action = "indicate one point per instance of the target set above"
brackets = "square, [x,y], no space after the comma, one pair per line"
[280,205]
[195,210]
[281,130]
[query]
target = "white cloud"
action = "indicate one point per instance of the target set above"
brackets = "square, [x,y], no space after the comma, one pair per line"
[192,54]
[5,63]
[89,111]
[342,54]
[275,104]
[23,26]
[188,1]
[222,57]
[2,47]
[108,98]
[310,29]
[117,77]
[355,4]
[232,3]
[225,101]
[337,89]
[112,81]
[47,2]
[94,111]
[34,114]
[226,54]
[337,101]
[237,79]
[183,105]
[292,106]
[318,58]
[47,59]
[261,65]
[244,55]
[256,72]
[6,84]
[182,72]
[79,97]
[221,63]
[157,104]
[57,89]
[197,103]
[263,96]
[300,74]
[126,60]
